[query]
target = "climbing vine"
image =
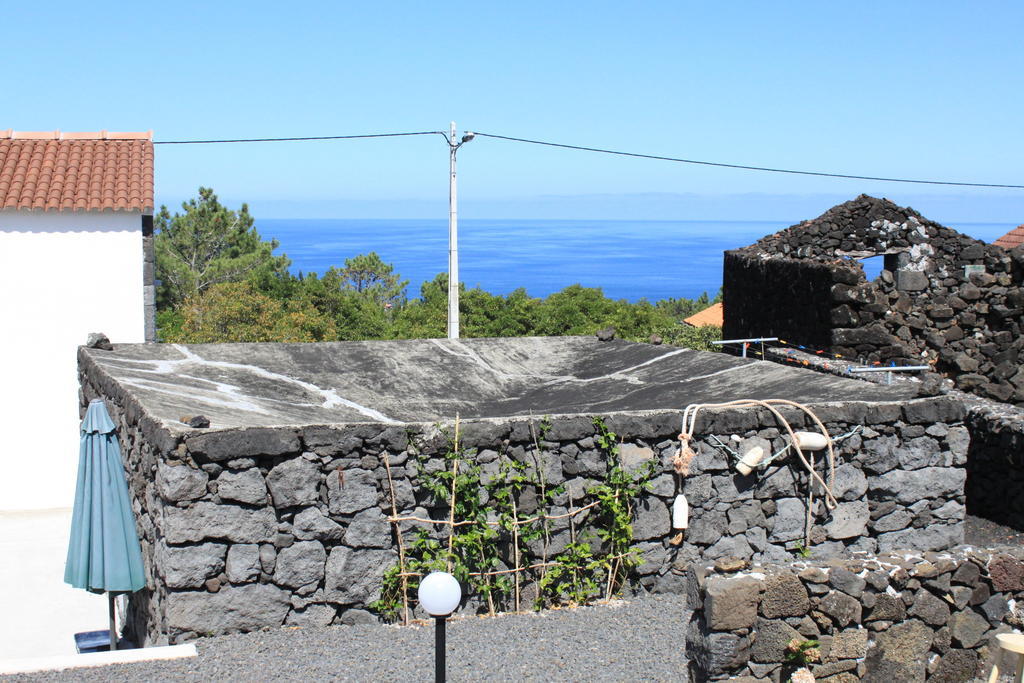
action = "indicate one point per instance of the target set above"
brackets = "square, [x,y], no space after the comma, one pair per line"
[501,554]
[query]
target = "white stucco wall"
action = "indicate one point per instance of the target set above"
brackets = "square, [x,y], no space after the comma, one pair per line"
[62,276]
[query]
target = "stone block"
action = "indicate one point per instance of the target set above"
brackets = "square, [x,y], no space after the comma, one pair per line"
[697,489]
[351,491]
[706,527]
[294,482]
[312,524]
[369,529]
[849,644]
[729,546]
[911,486]
[846,581]
[911,281]
[205,520]
[775,482]
[843,609]
[190,566]
[784,596]
[180,483]
[300,564]
[246,486]
[929,608]
[1007,573]
[887,608]
[569,429]
[232,609]
[239,443]
[730,603]
[243,563]
[312,615]
[724,652]
[956,666]
[900,653]
[354,577]
[771,639]
[850,483]
[633,457]
[934,537]
[788,520]
[650,519]
[848,520]
[967,628]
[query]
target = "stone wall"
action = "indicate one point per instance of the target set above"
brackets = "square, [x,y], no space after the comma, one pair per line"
[995,464]
[892,617]
[805,284]
[258,527]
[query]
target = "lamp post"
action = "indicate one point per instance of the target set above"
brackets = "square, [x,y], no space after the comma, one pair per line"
[439,595]
[453,236]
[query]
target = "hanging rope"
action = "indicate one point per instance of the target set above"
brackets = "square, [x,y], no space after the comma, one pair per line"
[681,462]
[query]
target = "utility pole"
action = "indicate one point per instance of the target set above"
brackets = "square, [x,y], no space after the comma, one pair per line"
[453,236]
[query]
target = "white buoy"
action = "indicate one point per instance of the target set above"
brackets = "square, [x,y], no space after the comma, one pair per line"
[811,441]
[680,512]
[750,460]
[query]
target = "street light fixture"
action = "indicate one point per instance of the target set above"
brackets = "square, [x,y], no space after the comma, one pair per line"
[453,237]
[439,595]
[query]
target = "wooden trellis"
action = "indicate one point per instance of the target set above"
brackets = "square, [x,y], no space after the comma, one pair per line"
[516,570]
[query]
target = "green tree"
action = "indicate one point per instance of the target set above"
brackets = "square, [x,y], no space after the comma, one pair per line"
[368,275]
[206,245]
[238,312]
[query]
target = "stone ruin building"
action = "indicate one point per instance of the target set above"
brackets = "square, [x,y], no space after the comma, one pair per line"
[287,503]
[943,298]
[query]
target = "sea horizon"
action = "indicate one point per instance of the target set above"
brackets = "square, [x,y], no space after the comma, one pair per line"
[626,259]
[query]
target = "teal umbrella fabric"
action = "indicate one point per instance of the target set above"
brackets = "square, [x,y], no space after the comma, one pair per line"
[104,553]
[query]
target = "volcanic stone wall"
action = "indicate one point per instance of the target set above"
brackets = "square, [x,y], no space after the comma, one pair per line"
[899,617]
[943,297]
[995,465]
[249,528]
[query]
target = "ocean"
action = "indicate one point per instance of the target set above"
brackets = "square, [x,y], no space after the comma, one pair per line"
[626,259]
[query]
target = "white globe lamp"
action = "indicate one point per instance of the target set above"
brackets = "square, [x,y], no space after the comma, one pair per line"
[440,594]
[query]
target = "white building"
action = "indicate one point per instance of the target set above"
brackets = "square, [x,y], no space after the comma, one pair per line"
[76,225]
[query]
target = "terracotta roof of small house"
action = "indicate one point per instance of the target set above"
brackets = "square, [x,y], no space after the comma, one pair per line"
[76,171]
[1012,239]
[712,315]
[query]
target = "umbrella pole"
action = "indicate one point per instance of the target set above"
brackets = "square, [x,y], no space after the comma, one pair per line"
[113,623]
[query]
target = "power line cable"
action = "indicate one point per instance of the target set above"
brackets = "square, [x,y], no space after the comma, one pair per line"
[741,166]
[298,139]
[599,150]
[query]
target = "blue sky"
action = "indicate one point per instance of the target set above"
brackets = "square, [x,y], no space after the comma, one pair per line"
[908,89]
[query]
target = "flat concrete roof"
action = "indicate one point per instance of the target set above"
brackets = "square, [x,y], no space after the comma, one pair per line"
[427,380]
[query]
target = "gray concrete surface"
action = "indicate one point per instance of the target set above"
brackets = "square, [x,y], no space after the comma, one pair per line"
[238,385]
[41,613]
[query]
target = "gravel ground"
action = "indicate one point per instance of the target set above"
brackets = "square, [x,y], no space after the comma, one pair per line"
[984,533]
[639,639]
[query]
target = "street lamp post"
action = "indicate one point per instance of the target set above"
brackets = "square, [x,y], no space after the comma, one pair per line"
[439,594]
[453,236]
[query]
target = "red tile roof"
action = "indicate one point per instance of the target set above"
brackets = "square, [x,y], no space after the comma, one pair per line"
[712,315]
[76,171]
[1012,239]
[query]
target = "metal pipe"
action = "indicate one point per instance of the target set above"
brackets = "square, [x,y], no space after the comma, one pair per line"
[889,370]
[738,341]
[895,368]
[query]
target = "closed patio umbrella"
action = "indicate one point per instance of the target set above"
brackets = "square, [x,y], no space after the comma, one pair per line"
[104,555]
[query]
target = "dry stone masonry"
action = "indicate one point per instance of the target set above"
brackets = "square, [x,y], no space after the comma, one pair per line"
[254,527]
[942,298]
[898,617]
